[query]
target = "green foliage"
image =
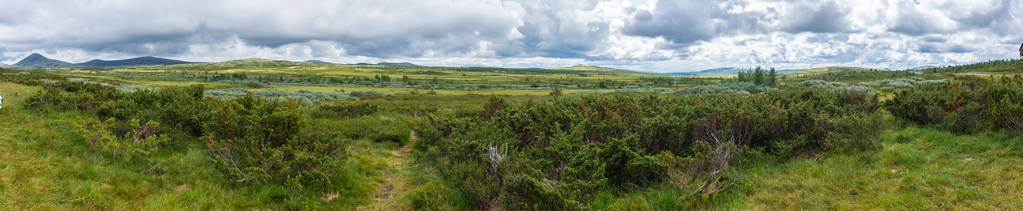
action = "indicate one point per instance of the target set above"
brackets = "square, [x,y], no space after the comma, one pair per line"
[759,76]
[562,150]
[72,96]
[375,129]
[138,143]
[739,87]
[31,78]
[835,86]
[269,142]
[257,140]
[1011,65]
[966,106]
[556,91]
[493,105]
[367,94]
[344,110]
[305,98]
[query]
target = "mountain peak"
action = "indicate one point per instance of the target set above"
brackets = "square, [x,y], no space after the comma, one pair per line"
[36,60]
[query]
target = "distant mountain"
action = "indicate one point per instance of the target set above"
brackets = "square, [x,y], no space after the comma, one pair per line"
[318,62]
[715,71]
[583,67]
[140,61]
[400,64]
[726,71]
[39,61]
[923,67]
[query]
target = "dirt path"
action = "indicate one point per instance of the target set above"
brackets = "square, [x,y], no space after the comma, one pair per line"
[395,179]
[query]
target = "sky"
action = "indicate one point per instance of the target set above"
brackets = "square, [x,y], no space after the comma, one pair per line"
[643,35]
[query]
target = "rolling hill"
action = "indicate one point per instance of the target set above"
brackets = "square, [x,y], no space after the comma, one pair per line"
[398,64]
[139,61]
[725,71]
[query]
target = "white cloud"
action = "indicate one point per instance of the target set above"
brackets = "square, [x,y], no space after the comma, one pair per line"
[640,34]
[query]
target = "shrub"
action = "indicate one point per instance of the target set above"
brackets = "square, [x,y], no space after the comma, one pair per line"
[305,98]
[253,140]
[268,142]
[493,105]
[344,110]
[375,129]
[368,94]
[965,107]
[255,85]
[72,96]
[563,149]
[137,143]
[739,87]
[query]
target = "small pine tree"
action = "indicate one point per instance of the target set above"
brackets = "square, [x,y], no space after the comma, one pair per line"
[774,77]
[556,91]
[758,76]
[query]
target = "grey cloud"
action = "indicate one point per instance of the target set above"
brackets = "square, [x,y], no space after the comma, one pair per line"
[551,29]
[684,21]
[826,17]
[737,30]
[688,21]
[379,28]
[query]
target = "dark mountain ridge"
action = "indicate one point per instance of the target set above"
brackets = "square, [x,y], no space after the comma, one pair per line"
[39,61]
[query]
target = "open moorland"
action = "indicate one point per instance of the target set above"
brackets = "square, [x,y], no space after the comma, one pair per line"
[267,134]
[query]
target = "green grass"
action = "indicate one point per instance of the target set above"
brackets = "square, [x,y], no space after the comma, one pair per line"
[48,165]
[443,80]
[914,168]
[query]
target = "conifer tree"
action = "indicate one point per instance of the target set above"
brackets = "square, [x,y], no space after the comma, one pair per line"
[774,77]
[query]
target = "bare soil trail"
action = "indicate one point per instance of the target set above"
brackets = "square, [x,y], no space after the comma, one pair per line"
[395,181]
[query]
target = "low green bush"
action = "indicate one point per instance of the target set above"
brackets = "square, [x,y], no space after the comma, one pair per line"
[375,129]
[555,153]
[344,110]
[269,142]
[252,139]
[967,106]
[140,141]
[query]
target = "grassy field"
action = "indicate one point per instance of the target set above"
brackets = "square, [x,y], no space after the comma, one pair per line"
[913,168]
[49,165]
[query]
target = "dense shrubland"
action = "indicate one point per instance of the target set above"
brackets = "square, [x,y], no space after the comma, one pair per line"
[641,147]
[305,98]
[967,105]
[26,77]
[558,153]
[543,79]
[734,87]
[848,74]
[344,110]
[1012,65]
[251,139]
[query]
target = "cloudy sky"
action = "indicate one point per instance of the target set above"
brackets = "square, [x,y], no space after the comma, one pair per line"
[646,35]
